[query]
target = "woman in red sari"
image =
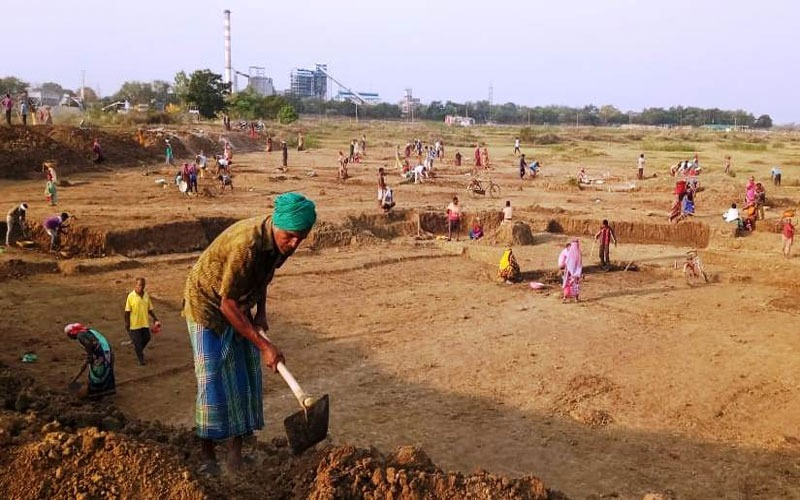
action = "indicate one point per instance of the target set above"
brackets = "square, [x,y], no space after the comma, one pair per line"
[478,156]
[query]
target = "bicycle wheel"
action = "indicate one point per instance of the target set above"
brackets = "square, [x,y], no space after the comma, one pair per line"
[494,190]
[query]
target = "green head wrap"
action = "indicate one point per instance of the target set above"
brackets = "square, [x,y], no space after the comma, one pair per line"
[294,212]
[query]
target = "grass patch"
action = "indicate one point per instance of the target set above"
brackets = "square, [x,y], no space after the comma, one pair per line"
[745,146]
[671,147]
[533,137]
[570,152]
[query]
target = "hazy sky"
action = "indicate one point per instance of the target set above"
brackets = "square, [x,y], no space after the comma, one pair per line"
[630,53]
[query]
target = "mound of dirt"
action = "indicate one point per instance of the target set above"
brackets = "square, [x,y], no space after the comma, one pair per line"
[24,149]
[90,463]
[518,233]
[347,472]
[53,446]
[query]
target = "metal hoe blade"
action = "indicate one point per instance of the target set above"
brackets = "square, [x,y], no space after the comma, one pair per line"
[308,427]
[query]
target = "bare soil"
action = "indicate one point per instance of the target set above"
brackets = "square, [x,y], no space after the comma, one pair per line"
[648,385]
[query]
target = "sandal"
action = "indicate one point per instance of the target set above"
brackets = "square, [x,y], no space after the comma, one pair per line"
[209,468]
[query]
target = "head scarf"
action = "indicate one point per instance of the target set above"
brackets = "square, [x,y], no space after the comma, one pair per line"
[73,329]
[574,259]
[294,212]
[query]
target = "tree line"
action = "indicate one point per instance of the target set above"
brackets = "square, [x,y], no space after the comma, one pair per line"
[206,90]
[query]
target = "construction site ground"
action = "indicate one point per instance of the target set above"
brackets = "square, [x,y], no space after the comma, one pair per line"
[649,385]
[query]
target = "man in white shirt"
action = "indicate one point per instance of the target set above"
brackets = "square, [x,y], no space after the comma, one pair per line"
[732,214]
[507,212]
[387,200]
[516,147]
[641,167]
[419,173]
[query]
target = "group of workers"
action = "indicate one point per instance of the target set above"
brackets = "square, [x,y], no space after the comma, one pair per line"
[99,354]
[225,302]
[54,225]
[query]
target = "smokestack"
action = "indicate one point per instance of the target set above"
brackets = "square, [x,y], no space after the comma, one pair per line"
[228,71]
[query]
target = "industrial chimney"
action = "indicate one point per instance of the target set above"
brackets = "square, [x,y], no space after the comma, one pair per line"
[228,71]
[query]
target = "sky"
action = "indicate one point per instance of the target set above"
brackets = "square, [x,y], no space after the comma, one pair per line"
[729,54]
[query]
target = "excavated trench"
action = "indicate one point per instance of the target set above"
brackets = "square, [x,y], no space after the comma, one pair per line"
[195,234]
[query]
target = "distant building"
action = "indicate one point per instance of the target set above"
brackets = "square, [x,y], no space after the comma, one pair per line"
[370,97]
[463,121]
[259,82]
[261,85]
[43,98]
[309,83]
[409,103]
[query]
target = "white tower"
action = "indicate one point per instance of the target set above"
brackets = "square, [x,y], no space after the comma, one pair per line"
[228,70]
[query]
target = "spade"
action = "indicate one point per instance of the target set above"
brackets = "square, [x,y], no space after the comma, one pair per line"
[308,426]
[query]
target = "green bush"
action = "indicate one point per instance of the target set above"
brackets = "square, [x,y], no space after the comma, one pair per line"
[287,114]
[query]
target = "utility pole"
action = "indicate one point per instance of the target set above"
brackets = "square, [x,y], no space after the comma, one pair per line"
[491,100]
[83,86]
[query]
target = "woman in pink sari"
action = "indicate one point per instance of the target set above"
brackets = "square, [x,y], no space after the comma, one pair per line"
[750,191]
[573,271]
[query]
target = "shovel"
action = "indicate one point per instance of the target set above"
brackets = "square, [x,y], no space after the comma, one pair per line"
[308,426]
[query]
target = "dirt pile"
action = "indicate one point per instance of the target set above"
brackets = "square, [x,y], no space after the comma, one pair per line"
[54,446]
[90,463]
[347,472]
[24,149]
[508,234]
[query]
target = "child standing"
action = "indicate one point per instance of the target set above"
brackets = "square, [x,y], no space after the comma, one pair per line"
[51,193]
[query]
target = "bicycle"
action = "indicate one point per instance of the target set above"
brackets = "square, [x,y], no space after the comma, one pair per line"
[693,268]
[477,188]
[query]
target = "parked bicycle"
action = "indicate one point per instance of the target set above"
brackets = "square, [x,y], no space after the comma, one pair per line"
[693,268]
[477,187]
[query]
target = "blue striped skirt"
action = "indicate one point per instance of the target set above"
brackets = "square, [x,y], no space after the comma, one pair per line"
[229,387]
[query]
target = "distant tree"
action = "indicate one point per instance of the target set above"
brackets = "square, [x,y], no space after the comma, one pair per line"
[135,92]
[164,92]
[435,111]
[12,85]
[181,86]
[287,114]
[53,87]
[89,94]
[251,105]
[207,91]
[246,104]
[272,106]
[609,115]
[589,115]
[763,121]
